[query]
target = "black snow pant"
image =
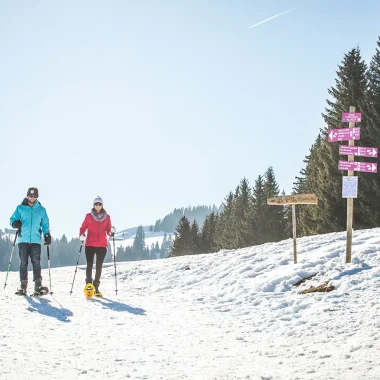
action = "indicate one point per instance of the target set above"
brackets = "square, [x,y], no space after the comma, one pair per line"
[100,255]
[34,251]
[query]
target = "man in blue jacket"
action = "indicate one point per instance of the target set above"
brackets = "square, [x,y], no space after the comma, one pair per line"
[31,219]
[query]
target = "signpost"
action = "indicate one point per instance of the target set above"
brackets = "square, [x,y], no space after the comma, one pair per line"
[350,182]
[350,200]
[306,199]
[344,134]
[348,117]
[368,167]
[358,151]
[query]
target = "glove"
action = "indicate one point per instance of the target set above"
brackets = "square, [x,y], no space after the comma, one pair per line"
[113,231]
[47,238]
[82,237]
[17,224]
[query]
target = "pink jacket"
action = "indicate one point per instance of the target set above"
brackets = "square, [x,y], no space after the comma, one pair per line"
[96,231]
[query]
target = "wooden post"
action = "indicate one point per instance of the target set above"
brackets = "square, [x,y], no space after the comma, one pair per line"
[294,233]
[295,199]
[350,200]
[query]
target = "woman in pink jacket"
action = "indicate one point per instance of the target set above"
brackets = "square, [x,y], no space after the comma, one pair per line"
[97,223]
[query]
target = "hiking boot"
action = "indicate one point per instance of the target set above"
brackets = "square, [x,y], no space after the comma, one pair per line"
[37,284]
[23,286]
[97,291]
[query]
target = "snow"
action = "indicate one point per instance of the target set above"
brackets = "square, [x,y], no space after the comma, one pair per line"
[229,315]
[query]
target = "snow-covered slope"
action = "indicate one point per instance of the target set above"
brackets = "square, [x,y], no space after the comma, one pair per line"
[126,237]
[229,315]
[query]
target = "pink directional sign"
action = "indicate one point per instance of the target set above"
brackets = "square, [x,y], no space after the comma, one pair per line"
[368,167]
[358,151]
[344,134]
[351,116]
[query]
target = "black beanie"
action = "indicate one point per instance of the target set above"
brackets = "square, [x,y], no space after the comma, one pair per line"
[32,191]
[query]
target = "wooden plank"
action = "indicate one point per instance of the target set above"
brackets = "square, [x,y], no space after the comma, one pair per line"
[306,199]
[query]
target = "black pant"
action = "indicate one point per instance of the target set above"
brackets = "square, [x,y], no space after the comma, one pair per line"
[100,255]
[34,251]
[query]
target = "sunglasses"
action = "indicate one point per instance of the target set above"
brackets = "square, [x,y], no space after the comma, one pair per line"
[97,204]
[32,196]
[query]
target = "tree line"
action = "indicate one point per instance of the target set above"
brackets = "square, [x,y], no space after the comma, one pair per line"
[247,220]
[169,222]
[140,251]
[66,253]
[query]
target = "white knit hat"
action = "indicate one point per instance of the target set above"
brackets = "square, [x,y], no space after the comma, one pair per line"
[98,199]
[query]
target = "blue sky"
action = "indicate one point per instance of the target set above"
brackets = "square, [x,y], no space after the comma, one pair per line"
[155,105]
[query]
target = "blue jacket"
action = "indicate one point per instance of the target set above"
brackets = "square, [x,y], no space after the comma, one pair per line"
[34,221]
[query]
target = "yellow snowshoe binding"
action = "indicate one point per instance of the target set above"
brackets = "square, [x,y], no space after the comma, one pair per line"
[98,293]
[89,290]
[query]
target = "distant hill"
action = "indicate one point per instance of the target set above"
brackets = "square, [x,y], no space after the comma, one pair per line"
[126,237]
[198,213]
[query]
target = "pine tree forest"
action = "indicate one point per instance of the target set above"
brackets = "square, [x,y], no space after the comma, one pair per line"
[247,220]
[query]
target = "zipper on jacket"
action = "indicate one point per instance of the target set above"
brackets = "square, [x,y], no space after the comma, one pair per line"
[31,224]
[98,233]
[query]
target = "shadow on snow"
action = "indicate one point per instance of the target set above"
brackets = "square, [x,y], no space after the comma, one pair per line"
[118,306]
[351,272]
[43,306]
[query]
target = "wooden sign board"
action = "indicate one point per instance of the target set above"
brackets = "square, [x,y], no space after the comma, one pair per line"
[297,199]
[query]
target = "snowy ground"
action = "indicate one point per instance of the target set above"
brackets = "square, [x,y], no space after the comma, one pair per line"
[231,315]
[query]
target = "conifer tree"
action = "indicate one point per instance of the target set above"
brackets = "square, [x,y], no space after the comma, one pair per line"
[139,247]
[156,250]
[259,211]
[308,216]
[243,216]
[157,225]
[351,83]
[166,246]
[163,246]
[365,214]
[224,234]
[196,237]
[183,242]
[208,233]
[274,225]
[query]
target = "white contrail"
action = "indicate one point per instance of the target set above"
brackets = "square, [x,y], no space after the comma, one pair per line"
[270,18]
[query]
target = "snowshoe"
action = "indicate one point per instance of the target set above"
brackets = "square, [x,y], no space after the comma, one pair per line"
[89,291]
[21,292]
[41,291]
[98,293]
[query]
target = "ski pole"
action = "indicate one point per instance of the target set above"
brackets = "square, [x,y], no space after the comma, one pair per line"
[114,262]
[10,259]
[76,267]
[48,255]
